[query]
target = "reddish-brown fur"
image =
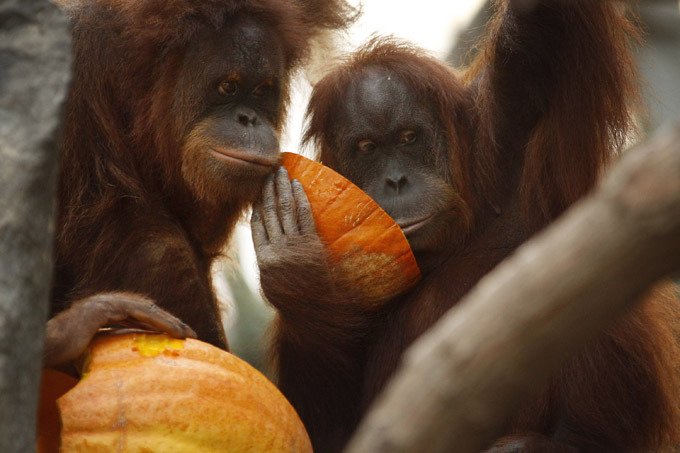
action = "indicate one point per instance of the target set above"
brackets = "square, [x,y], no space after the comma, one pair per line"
[127,219]
[531,128]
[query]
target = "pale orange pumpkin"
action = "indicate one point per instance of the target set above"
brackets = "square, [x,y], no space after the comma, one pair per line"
[152,393]
[367,246]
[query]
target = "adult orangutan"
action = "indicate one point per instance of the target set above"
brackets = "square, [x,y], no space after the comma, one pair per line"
[470,167]
[171,128]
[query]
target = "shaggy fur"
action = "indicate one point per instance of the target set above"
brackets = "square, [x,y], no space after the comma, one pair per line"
[128,218]
[530,128]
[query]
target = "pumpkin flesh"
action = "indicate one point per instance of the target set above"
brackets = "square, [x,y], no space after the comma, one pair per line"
[366,245]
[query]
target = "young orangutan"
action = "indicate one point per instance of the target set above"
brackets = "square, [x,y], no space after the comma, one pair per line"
[470,167]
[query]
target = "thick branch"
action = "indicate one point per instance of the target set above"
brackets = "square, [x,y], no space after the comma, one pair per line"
[461,380]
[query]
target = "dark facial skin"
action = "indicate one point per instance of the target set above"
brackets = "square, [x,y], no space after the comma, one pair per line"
[388,143]
[237,98]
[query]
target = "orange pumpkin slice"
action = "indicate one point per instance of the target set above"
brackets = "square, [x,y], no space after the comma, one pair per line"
[152,393]
[364,242]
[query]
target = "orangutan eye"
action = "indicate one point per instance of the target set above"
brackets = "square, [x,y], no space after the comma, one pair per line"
[366,146]
[227,87]
[407,137]
[263,88]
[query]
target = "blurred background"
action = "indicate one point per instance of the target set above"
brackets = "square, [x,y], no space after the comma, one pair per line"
[449,31]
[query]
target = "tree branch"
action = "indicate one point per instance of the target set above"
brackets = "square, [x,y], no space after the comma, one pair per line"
[461,380]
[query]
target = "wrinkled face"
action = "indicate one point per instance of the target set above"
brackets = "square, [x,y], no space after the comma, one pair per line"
[389,143]
[233,82]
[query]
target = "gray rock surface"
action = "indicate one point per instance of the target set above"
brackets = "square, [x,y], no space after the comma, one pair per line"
[34,72]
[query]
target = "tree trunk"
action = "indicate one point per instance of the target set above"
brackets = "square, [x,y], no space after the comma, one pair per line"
[34,73]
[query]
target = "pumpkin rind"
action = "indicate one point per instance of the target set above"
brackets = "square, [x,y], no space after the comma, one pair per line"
[52,386]
[366,244]
[175,396]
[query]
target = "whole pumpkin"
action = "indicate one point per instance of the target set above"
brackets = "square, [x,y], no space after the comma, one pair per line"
[152,393]
[366,245]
